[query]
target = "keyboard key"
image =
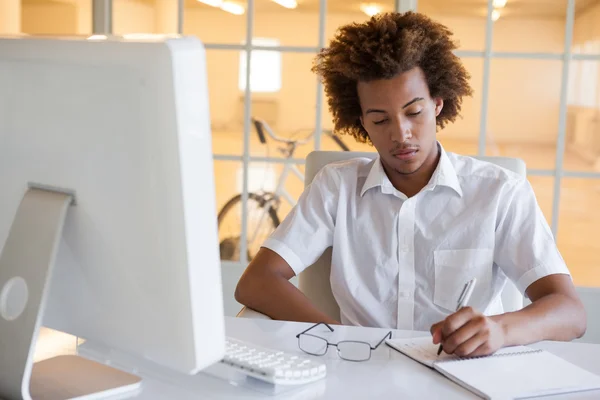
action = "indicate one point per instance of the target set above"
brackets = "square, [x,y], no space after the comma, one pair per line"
[272,366]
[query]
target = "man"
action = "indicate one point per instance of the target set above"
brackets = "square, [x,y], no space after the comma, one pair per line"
[409,229]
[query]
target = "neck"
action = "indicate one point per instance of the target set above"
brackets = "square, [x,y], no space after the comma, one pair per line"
[411,184]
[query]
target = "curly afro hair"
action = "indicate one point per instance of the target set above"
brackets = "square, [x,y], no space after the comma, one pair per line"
[382,47]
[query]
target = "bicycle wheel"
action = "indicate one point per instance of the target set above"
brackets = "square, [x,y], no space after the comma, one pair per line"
[262,220]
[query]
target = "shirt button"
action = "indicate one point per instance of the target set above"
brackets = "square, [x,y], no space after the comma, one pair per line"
[405,294]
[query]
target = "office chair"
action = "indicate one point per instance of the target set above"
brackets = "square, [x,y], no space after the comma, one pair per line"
[314,280]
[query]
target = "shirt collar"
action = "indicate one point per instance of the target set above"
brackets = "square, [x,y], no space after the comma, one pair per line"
[444,175]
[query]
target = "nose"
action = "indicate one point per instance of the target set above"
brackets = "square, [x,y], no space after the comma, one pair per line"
[401,131]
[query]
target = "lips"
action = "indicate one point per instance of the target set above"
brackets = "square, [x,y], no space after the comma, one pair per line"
[405,154]
[404,151]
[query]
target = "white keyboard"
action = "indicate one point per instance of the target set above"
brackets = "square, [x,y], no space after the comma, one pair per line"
[272,366]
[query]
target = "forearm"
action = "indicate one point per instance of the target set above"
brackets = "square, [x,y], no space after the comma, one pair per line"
[552,317]
[278,298]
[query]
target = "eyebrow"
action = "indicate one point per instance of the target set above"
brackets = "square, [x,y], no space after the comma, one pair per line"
[377,110]
[413,101]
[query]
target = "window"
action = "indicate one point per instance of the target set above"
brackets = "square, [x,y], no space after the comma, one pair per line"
[265,71]
[584,89]
[517,115]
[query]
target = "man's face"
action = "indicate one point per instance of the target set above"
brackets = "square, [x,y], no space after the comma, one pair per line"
[400,117]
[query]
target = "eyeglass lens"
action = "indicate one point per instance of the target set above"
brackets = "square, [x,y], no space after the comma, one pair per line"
[312,344]
[354,351]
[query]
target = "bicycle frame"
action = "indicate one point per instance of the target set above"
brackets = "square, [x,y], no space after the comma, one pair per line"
[280,188]
[288,152]
[279,193]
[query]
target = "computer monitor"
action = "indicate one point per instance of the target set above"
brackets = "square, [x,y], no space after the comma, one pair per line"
[110,137]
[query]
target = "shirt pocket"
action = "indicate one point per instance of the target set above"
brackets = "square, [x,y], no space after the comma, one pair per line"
[454,268]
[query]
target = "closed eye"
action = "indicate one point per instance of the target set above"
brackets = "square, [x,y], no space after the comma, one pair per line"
[413,114]
[380,122]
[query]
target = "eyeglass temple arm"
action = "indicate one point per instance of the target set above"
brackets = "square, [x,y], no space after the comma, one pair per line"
[314,326]
[389,334]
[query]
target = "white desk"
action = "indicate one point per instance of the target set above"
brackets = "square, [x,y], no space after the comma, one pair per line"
[387,375]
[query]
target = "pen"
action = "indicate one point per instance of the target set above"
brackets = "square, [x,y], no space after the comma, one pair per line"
[463,299]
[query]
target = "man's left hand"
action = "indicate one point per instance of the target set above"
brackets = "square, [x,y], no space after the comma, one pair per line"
[468,333]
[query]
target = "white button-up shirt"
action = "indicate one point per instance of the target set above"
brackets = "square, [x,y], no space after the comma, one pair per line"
[401,262]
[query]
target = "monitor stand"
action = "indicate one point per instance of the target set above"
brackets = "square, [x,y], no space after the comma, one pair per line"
[26,265]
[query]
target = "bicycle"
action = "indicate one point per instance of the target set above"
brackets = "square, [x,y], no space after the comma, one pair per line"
[262,217]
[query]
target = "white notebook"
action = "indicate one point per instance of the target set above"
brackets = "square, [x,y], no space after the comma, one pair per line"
[511,373]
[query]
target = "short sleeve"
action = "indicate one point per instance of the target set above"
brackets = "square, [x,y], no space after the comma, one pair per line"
[307,231]
[525,247]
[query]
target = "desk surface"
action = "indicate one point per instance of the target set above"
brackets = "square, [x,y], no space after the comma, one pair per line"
[388,374]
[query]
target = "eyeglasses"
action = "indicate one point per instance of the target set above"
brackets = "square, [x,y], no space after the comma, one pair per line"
[350,350]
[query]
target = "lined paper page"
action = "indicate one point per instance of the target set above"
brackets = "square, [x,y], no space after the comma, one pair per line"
[420,349]
[510,373]
[424,351]
[519,376]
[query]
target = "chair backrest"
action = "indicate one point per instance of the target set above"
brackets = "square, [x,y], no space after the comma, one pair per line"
[314,281]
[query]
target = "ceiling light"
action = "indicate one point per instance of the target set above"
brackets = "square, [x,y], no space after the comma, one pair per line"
[212,3]
[287,3]
[495,15]
[370,8]
[233,8]
[499,3]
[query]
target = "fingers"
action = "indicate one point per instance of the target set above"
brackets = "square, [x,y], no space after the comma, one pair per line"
[436,327]
[480,337]
[457,329]
[457,342]
[436,332]
[476,345]
[455,321]
[486,348]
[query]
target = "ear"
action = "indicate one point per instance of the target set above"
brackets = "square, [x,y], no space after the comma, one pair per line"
[439,105]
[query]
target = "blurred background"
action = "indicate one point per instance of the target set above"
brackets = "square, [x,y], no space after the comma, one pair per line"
[534,68]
